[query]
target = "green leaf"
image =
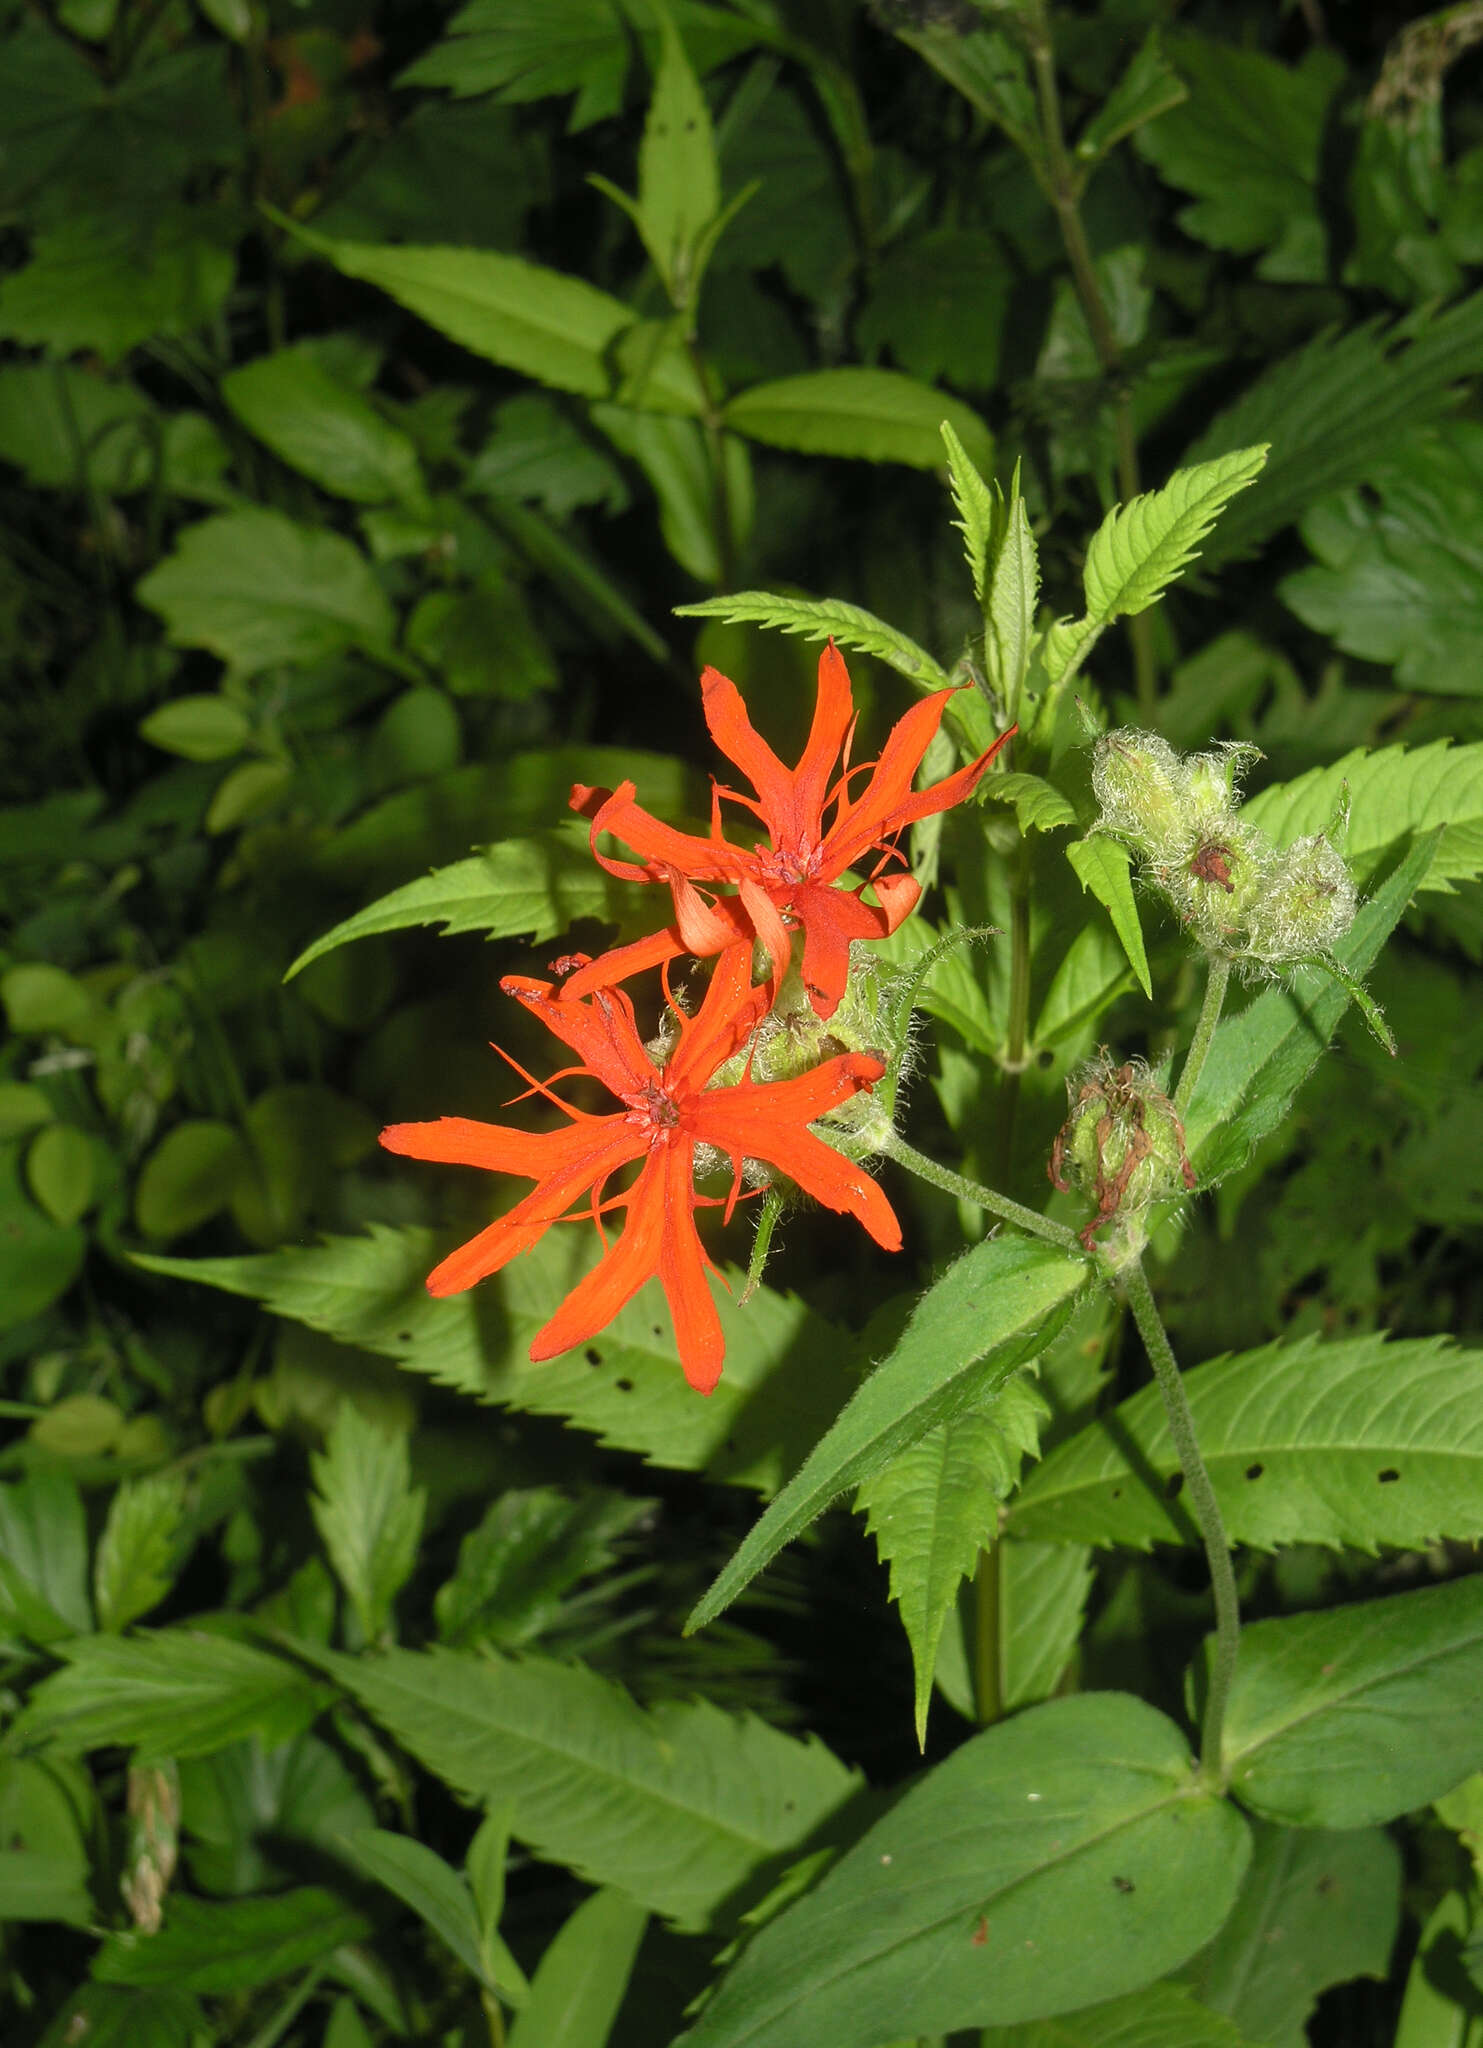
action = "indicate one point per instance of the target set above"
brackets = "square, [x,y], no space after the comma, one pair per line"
[199,728]
[232,1945]
[188,1178]
[1014,585]
[824,619]
[1043,1592]
[990,71]
[1157,2017]
[44,1863]
[1038,805]
[675,455]
[679,180]
[787,1370]
[678,1807]
[938,301]
[537,885]
[23,1108]
[1316,1909]
[1104,867]
[1388,794]
[991,1311]
[167,1693]
[1065,1856]
[874,415]
[61,1172]
[39,1259]
[1440,2008]
[138,1551]
[1359,1443]
[248,792]
[1260,1058]
[43,1559]
[1332,411]
[1399,574]
[253,1811]
[436,1894]
[322,426]
[973,500]
[107,282]
[1247,142]
[1349,1718]
[367,1514]
[259,589]
[1141,547]
[558,329]
[932,1510]
[41,998]
[582,1976]
[1149,87]
[532,1547]
[111,2016]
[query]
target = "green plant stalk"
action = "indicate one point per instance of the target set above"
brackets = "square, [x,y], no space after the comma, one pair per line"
[1210,1009]
[988,1689]
[494,2018]
[1062,183]
[1018,1029]
[894,1146]
[1206,1510]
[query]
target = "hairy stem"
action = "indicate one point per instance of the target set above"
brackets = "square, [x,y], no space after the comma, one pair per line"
[1210,1009]
[1203,1505]
[895,1147]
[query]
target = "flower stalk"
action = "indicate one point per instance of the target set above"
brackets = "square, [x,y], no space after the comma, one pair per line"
[894,1146]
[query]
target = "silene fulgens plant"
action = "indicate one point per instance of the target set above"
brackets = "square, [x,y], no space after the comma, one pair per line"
[1003,1147]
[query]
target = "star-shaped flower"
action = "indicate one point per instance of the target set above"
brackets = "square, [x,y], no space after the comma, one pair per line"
[667,1111]
[788,883]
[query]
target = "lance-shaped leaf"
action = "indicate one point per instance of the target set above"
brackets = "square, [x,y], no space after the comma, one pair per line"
[990,1311]
[580,1980]
[1389,793]
[787,1370]
[680,1807]
[824,619]
[1346,1719]
[1260,1058]
[538,885]
[876,415]
[440,1897]
[1065,1856]
[367,1512]
[1361,1443]
[1104,867]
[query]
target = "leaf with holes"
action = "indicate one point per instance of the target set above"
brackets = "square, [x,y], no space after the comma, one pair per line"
[1360,1443]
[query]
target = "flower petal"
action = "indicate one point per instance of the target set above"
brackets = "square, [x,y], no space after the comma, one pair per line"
[888,801]
[830,919]
[834,714]
[707,860]
[601,1030]
[621,962]
[682,1263]
[731,1008]
[739,740]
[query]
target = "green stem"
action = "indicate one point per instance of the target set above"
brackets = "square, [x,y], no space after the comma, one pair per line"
[1062,182]
[1017,1033]
[1210,1009]
[895,1147]
[494,2018]
[1203,1504]
[988,1691]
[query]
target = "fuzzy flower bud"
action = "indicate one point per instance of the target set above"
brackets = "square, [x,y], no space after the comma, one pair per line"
[1122,1145]
[1239,896]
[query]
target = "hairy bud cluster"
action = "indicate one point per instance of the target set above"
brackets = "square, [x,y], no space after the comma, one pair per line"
[1239,895]
[1122,1145]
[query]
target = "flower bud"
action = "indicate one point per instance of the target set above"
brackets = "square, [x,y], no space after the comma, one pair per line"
[1122,1145]
[1140,783]
[153,1841]
[1309,906]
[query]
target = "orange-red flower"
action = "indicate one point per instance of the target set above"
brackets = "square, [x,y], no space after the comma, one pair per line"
[667,1111]
[785,885]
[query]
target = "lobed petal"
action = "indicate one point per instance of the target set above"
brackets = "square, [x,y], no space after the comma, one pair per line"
[600,1029]
[707,860]
[831,918]
[739,740]
[731,1009]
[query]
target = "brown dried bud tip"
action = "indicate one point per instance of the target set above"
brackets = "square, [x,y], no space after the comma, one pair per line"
[1122,1145]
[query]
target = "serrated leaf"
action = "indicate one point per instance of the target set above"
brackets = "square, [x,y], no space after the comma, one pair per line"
[932,1510]
[114,2016]
[678,1807]
[582,1976]
[535,886]
[787,1370]
[1064,1856]
[990,1311]
[1141,547]
[1331,411]
[106,282]
[873,415]
[1260,1058]
[259,589]
[137,1554]
[1038,805]
[824,619]
[1160,2016]
[1360,1443]
[43,1559]
[974,503]
[1349,1718]
[323,427]
[1317,1908]
[1014,587]
[533,1545]
[436,1894]
[989,70]
[169,1692]
[1043,1592]
[1105,868]
[1391,792]
[367,1513]
[526,317]
[231,1945]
